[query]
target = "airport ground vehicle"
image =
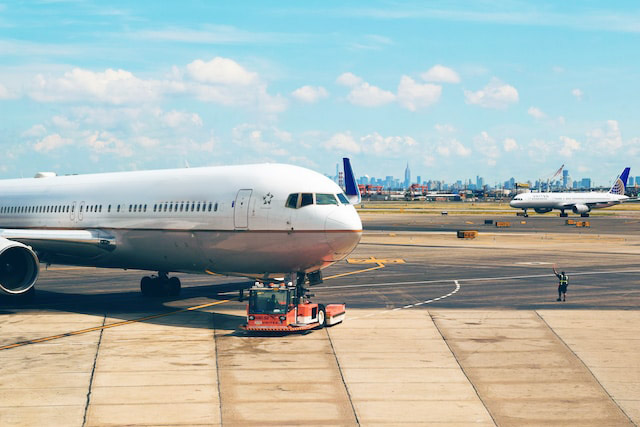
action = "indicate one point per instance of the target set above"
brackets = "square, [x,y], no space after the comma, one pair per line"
[284,307]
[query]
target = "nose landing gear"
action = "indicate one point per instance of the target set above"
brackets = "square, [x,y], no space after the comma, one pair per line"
[160,286]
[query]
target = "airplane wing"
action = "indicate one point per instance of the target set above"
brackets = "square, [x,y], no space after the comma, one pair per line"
[78,242]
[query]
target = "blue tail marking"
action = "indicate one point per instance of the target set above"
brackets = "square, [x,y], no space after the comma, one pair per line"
[351,187]
[620,184]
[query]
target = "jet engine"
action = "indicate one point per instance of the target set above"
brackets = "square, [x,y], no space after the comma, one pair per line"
[542,210]
[580,209]
[19,267]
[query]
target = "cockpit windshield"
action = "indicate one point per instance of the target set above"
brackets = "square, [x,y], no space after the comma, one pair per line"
[299,200]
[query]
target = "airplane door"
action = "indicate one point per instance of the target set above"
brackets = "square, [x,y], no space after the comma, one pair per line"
[80,211]
[241,209]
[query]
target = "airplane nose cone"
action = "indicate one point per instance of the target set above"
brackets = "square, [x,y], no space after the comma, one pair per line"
[343,230]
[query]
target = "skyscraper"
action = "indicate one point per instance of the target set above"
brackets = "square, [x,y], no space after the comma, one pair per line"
[407,177]
[565,179]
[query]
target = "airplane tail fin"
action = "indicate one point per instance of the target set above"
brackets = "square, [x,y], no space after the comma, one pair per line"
[351,186]
[620,184]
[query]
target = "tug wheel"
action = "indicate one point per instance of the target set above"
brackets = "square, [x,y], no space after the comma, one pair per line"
[322,316]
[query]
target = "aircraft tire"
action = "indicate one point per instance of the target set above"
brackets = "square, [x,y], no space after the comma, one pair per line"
[174,287]
[146,286]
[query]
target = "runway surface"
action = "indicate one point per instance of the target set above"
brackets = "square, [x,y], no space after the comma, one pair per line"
[439,330]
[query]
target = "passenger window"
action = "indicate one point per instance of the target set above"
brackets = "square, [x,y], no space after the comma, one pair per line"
[343,199]
[198,207]
[108,208]
[307,199]
[145,208]
[326,199]
[130,208]
[209,209]
[292,201]
[181,206]
[118,208]
[193,206]
[215,207]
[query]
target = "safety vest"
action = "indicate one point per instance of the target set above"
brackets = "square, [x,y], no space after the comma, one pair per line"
[564,279]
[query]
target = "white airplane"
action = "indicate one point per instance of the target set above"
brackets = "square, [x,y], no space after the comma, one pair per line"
[578,202]
[260,221]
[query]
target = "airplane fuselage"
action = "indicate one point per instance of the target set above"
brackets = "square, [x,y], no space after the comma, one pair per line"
[229,220]
[566,201]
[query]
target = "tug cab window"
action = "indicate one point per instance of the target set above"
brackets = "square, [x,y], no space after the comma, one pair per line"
[307,199]
[326,199]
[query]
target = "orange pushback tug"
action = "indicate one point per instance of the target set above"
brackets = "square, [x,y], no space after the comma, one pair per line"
[283,307]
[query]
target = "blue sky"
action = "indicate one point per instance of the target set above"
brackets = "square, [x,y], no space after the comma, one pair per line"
[457,89]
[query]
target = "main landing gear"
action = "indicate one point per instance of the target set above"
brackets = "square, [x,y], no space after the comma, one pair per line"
[563,214]
[160,286]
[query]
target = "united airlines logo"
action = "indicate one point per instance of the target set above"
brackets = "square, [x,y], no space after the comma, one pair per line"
[618,187]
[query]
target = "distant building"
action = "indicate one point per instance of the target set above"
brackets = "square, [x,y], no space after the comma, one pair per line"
[407,176]
[566,179]
[585,183]
[419,180]
[631,182]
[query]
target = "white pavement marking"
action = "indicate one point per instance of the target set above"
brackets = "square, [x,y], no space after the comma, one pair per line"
[414,305]
[473,279]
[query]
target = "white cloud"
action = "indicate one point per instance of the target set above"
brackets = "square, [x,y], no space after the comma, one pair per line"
[452,146]
[608,139]
[147,142]
[5,93]
[221,71]
[412,95]
[510,144]
[367,95]
[536,113]
[62,122]
[569,146]
[577,93]
[440,73]
[444,128]
[310,94]
[381,145]
[34,131]
[254,97]
[51,142]
[486,145]
[105,142]
[175,119]
[342,142]
[496,95]
[348,79]
[110,86]
[262,139]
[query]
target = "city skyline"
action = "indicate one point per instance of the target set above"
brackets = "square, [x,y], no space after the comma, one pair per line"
[477,89]
[558,182]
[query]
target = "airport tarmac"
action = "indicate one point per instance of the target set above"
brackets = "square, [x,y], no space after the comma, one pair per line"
[439,331]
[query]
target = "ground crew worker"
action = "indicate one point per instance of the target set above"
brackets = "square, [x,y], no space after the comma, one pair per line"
[563,282]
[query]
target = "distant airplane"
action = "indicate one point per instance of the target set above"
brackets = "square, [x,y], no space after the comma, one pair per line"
[578,202]
[259,221]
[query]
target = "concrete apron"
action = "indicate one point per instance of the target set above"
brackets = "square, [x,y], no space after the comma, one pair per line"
[379,367]
[523,372]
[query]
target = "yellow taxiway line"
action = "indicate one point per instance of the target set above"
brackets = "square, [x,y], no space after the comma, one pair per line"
[156,316]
